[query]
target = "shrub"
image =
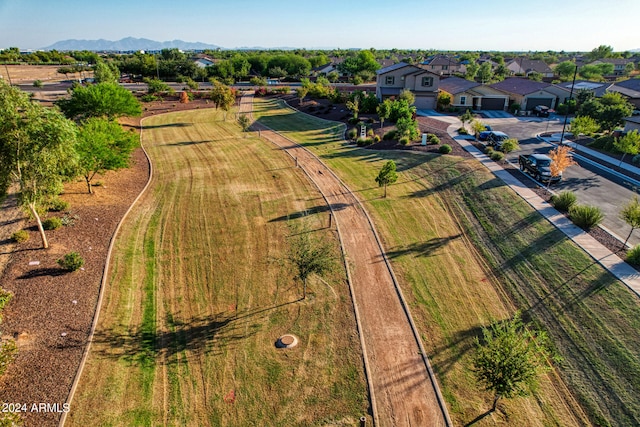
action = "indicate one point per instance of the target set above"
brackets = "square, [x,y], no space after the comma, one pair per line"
[433,139]
[513,108]
[149,98]
[445,149]
[376,138]
[364,141]
[58,205]
[8,351]
[71,261]
[604,143]
[37,83]
[585,216]
[404,140]
[353,120]
[390,135]
[20,236]
[509,145]
[52,223]
[463,131]
[633,255]
[370,133]
[564,200]
[488,150]
[497,156]
[352,133]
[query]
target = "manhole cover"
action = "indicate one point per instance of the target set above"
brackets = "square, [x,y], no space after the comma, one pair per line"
[287,341]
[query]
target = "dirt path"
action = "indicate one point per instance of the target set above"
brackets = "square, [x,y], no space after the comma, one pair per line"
[402,390]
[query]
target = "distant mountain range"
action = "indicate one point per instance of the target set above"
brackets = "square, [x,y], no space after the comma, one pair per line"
[127,44]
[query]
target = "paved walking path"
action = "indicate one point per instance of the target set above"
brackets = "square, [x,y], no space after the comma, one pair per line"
[620,269]
[402,386]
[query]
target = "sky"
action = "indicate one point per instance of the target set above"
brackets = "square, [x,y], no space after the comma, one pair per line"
[475,25]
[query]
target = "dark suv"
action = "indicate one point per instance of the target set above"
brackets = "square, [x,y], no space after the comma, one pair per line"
[542,111]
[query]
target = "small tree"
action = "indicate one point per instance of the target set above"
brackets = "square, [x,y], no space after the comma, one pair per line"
[466,117]
[103,145]
[630,213]
[443,100]
[354,105]
[108,100]
[509,359]
[309,256]
[408,96]
[387,175]
[301,92]
[478,127]
[36,151]
[584,125]
[560,160]
[384,111]
[628,144]
[245,122]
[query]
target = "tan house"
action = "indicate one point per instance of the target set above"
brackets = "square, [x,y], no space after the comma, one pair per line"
[424,84]
[526,67]
[443,65]
[469,94]
[528,93]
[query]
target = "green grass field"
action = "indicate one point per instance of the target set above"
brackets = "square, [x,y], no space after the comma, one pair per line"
[468,250]
[199,291]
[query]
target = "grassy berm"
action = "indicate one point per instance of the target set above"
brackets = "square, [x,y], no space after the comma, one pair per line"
[467,251]
[200,291]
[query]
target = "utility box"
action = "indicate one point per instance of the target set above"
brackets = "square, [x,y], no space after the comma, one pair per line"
[424,139]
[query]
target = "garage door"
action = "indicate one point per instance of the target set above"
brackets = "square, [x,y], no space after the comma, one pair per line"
[493,103]
[532,102]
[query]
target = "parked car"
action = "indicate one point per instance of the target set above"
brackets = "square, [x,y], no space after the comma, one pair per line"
[539,166]
[542,111]
[493,137]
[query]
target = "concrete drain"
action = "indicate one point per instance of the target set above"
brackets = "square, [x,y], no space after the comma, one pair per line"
[287,341]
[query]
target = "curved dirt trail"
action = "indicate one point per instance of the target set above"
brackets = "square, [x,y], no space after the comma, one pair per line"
[403,391]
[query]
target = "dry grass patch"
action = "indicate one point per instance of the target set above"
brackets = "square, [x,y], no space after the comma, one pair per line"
[199,293]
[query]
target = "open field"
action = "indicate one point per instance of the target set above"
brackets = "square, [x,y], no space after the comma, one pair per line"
[23,74]
[199,293]
[468,250]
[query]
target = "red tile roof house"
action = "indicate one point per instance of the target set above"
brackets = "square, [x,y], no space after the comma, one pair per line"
[469,94]
[528,93]
[424,84]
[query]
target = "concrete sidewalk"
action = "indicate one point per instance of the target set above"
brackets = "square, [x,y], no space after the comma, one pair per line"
[616,266]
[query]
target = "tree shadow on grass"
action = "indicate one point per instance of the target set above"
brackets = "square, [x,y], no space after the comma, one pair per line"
[168,125]
[422,249]
[208,334]
[311,211]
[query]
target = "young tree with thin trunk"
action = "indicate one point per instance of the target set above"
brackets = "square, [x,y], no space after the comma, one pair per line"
[560,160]
[301,92]
[36,151]
[310,255]
[245,122]
[387,175]
[103,145]
[509,358]
[630,213]
[384,111]
[628,144]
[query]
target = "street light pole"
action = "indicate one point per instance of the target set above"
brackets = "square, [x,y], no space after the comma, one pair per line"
[566,114]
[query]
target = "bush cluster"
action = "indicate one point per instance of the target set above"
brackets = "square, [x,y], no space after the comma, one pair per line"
[52,223]
[433,139]
[564,200]
[71,261]
[58,205]
[497,156]
[585,216]
[445,149]
[20,236]
[633,255]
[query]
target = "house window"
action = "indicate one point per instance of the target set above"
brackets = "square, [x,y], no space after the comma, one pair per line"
[389,80]
[427,81]
[445,67]
[463,100]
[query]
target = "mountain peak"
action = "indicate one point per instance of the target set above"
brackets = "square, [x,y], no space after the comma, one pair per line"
[127,44]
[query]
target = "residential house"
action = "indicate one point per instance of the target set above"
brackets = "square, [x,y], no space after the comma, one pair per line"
[424,84]
[632,123]
[442,65]
[470,94]
[528,93]
[619,65]
[630,89]
[204,61]
[526,67]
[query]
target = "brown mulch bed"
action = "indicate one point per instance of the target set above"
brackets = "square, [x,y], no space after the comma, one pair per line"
[51,312]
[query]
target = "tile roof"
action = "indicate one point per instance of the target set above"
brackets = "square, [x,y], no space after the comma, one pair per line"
[519,86]
[526,65]
[633,84]
[454,85]
[392,67]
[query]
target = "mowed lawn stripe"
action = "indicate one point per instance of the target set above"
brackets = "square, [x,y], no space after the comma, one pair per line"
[211,237]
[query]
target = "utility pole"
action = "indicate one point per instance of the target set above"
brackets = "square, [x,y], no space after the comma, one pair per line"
[566,114]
